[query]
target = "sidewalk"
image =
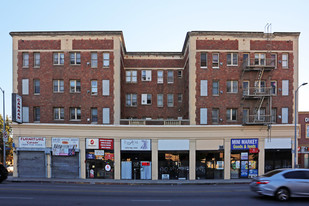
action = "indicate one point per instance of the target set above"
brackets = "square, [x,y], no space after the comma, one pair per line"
[130,182]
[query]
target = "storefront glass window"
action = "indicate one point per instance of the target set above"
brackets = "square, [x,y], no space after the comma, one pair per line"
[209,165]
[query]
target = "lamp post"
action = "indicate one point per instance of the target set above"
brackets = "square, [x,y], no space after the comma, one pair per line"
[296,117]
[4,162]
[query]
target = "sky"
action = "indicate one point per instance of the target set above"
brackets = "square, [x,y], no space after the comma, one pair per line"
[152,25]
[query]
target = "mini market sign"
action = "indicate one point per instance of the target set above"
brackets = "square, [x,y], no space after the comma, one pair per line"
[244,144]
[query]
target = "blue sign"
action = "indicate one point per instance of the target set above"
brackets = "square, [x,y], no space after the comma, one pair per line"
[90,156]
[253,173]
[243,173]
[244,144]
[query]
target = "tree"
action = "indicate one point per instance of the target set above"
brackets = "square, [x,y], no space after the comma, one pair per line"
[9,143]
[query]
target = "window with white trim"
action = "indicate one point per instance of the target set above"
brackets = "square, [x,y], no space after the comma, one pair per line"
[58,113]
[170,100]
[94,115]
[179,97]
[203,60]
[25,86]
[232,59]
[75,86]
[146,75]
[36,59]
[273,60]
[36,114]
[58,86]
[260,86]
[179,73]
[160,77]
[25,114]
[106,114]
[215,115]
[215,60]
[259,59]
[285,115]
[273,115]
[160,100]
[232,86]
[170,77]
[131,100]
[94,87]
[231,114]
[75,58]
[273,87]
[75,113]
[25,60]
[203,116]
[58,58]
[106,59]
[246,59]
[36,85]
[105,87]
[94,59]
[215,88]
[146,99]
[245,115]
[285,87]
[131,76]
[204,88]
[285,61]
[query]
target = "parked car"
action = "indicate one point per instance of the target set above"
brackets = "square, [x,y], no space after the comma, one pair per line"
[282,183]
[3,173]
[10,168]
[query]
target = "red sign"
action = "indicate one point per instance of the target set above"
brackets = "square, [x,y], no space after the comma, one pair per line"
[106,144]
[254,150]
[109,156]
[145,164]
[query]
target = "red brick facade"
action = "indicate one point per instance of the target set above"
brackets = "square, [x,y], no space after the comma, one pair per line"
[92,44]
[39,44]
[217,44]
[272,45]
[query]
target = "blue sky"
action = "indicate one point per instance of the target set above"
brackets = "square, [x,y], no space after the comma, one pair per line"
[159,25]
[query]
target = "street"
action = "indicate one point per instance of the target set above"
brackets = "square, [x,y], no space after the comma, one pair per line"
[81,194]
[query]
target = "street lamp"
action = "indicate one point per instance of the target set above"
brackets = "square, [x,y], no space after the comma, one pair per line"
[296,117]
[4,163]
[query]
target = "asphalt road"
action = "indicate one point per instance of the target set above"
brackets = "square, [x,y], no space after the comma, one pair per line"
[79,194]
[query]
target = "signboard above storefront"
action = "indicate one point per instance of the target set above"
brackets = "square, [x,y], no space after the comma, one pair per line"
[135,144]
[100,143]
[92,143]
[17,106]
[244,144]
[64,146]
[31,142]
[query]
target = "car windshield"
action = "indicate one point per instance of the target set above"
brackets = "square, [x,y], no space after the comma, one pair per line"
[271,173]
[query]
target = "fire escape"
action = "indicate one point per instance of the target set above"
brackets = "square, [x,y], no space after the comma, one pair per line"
[257,100]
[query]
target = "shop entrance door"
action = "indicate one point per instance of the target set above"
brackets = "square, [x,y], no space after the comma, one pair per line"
[145,170]
[126,170]
[210,170]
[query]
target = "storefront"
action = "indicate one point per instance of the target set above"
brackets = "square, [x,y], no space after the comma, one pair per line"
[136,159]
[209,165]
[65,162]
[173,159]
[100,158]
[244,158]
[32,157]
[278,153]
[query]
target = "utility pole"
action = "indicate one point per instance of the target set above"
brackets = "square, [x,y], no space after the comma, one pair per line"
[3,132]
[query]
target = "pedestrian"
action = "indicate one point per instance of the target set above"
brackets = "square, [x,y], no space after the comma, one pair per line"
[3,173]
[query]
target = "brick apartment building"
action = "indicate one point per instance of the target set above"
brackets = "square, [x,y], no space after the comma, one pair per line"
[220,108]
[303,141]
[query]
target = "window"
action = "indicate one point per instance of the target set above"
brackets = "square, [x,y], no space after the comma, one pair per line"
[105,85]
[245,88]
[260,86]
[232,86]
[215,116]
[94,115]
[215,88]
[273,60]
[58,58]
[246,59]
[36,84]
[261,113]
[204,60]
[285,61]
[160,100]
[215,60]
[285,115]
[273,87]
[58,86]
[232,59]
[204,89]
[36,62]
[106,113]
[131,76]
[273,115]
[146,99]
[59,113]
[36,114]
[25,59]
[25,86]
[297,175]
[94,87]
[75,58]
[231,114]
[170,77]
[170,100]
[203,116]
[131,100]
[75,113]
[146,75]
[94,60]
[259,59]
[179,98]
[75,86]
[179,73]
[285,87]
[105,59]
[160,77]
[245,115]
[25,114]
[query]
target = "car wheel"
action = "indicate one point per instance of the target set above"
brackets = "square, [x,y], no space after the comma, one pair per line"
[282,194]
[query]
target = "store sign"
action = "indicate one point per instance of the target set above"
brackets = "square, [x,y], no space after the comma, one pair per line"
[135,144]
[90,156]
[17,105]
[32,142]
[92,143]
[106,144]
[109,156]
[244,144]
[64,146]
[99,152]
[254,150]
